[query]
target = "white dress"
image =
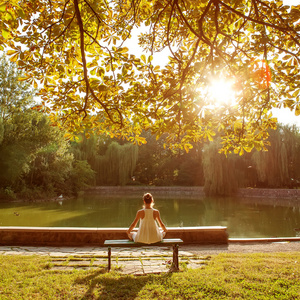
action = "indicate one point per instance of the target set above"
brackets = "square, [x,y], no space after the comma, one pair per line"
[148,231]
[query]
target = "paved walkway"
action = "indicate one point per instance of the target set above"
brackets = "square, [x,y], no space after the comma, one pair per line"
[143,260]
[136,261]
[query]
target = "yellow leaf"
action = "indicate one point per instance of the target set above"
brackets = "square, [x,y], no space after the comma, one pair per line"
[102,88]
[2,7]
[248,149]
[143,58]
[14,58]
[67,136]
[241,151]
[187,147]
[22,78]
[209,136]
[156,68]
[279,3]
[11,52]
[5,33]
[123,50]
[296,93]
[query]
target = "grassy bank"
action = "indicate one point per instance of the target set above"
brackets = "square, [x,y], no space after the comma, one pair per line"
[226,276]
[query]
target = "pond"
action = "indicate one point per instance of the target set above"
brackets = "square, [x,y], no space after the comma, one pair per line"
[244,218]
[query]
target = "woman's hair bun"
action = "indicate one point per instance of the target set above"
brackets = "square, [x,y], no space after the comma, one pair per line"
[148,198]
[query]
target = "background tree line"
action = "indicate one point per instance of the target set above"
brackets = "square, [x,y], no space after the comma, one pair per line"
[37,161]
[35,158]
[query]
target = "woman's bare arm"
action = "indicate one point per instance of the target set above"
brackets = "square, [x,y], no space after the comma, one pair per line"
[160,222]
[137,217]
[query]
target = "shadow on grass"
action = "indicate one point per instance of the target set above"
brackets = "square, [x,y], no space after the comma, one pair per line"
[103,285]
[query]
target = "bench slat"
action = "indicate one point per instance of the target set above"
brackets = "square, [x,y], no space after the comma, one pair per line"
[129,243]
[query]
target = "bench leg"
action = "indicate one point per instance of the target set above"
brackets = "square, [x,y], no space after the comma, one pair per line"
[109,258]
[175,257]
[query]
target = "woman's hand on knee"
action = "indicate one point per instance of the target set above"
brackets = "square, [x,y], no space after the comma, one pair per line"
[129,234]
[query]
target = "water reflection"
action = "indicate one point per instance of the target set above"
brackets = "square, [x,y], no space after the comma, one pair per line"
[247,217]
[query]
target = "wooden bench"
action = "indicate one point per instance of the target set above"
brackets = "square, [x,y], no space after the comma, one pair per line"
[128,243]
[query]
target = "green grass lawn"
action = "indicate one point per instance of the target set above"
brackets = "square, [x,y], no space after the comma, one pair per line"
[226,276]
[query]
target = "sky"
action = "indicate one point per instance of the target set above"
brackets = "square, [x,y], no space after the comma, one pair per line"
[291,2]
[284,115]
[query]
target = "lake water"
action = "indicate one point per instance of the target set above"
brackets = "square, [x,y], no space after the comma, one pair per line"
[244,218]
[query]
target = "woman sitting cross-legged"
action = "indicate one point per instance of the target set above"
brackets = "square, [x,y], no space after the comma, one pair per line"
[148,231]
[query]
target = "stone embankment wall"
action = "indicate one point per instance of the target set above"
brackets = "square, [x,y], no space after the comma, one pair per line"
[193,191]
[140,190]
[48,236]
[269,193]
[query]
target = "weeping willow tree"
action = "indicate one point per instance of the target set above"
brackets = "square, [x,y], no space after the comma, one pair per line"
[87,149]
[116,167]
[276,167]
[218,170]
[1,130]
[113,163]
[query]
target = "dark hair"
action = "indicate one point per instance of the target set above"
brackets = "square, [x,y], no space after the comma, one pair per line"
[148,198]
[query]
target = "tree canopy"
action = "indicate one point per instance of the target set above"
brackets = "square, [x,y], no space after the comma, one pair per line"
[35,158]
[76,50]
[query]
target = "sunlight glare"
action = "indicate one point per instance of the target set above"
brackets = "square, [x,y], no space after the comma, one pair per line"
[221,92]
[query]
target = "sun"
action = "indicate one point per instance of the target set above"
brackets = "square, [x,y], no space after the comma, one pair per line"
[221,92]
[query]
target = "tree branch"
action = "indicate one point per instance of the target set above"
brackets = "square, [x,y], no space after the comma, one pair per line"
[283,29]
[85,71]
